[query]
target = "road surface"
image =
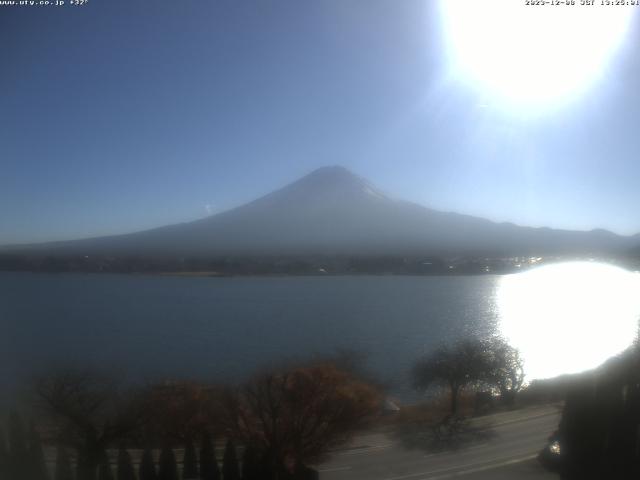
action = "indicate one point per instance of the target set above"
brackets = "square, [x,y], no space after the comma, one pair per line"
[509,453]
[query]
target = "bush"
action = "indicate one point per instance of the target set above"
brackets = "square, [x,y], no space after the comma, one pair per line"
[18,461]
[4,456]
[167,466]
[63,465]
[125,466]
[37,463]
[251,464]
[230,469]
[104,467]
[147,466]
[190,462]
[209,469]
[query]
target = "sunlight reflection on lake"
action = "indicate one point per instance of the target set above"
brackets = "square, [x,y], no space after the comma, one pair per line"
[569,317]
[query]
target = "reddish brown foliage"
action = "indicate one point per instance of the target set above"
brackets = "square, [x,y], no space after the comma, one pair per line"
[301,414]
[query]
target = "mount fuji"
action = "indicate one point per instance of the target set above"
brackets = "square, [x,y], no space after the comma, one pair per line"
[332,211]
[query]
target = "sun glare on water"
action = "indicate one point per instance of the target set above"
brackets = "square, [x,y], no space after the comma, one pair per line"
[528,55]
[570,317]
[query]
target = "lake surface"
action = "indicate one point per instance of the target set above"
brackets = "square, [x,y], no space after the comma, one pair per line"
[225,328]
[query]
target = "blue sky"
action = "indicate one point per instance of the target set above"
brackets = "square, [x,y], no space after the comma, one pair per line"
[125,115]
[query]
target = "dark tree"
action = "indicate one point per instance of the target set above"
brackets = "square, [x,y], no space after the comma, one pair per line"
[505,369]
[125,466]
[167,466]
[302,472]
[251,464]
[147,466]
[230,470]
[190,462]
[454,366]
[104,472]
[597,437]
[180,411]
[4,456]
[63,465]
[209,469]
[104,469]
[298,416]
[19,465]
[90,412]
[38,465]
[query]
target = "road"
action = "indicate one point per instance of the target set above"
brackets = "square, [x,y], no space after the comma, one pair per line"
[509,453]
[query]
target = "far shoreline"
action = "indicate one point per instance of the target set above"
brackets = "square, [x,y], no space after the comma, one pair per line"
[305,267]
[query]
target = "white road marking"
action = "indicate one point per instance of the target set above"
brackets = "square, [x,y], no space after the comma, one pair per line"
[523,419]
[336,469]
[358,451]
[483,469]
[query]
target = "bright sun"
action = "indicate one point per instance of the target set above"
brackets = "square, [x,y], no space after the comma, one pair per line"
[531,54]
[570,317]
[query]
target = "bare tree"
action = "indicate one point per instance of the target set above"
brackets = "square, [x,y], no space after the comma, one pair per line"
[454,366]
[295,417]
[182,411]
[490,362]
[505,369]
[90,412]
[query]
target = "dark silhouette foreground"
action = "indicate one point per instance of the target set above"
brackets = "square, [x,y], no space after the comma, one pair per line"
[599,434]
[274,427]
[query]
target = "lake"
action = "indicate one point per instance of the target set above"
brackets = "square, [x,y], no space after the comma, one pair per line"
[225,328]
[563,318]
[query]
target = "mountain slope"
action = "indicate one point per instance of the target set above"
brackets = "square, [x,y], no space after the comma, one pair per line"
[332,211]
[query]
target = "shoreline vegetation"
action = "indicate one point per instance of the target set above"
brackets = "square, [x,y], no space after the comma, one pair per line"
[96,423]
[274,425]
[319,265]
